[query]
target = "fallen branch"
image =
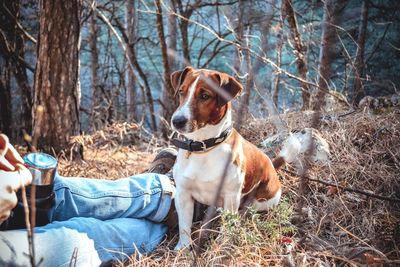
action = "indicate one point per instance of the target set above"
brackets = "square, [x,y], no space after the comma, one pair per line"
[349,189]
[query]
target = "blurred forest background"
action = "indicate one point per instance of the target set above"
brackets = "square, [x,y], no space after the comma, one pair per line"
[76,66]
[83,68]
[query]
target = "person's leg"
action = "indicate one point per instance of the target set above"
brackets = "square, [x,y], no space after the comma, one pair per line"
[55,247]
[142,196]
[87,241]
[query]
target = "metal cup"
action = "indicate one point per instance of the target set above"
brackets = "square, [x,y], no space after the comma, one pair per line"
[43,167]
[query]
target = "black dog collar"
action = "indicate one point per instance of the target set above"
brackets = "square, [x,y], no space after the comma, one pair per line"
[196,146]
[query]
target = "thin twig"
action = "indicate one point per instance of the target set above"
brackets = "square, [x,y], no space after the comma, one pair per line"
[211,212]
[349,189]
[29,228]
[74,258]
[358,191]
[33,216]
[9,13]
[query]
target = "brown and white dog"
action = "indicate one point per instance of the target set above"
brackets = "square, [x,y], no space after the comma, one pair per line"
[204,118]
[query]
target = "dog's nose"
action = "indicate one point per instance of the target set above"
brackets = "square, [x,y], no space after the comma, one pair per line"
[179,121]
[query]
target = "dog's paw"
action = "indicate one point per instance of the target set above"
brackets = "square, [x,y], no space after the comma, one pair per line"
[182,245]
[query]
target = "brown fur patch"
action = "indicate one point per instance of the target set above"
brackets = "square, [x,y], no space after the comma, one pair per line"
[205,111]
[257,166]
[278,162]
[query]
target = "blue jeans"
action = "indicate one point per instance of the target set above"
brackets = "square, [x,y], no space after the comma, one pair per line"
[95,221]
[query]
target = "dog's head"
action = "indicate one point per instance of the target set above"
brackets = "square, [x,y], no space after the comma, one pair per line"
[204,97]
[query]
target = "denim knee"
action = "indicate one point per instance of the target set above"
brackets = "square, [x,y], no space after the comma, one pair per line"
[54,247]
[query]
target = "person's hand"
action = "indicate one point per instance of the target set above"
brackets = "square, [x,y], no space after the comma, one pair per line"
[13,175]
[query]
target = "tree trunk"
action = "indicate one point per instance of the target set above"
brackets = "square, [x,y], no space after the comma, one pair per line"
[279,45]
[57,74]
[288,12]
[5,108]
[170,106]
[183,27]
[185,41]
[242,64]
[25,90]
[131,94]
[12,47]
[97,95]
[239,39]
[332,11]
[146,90]
[258,81]
[171,41]
[250,82]
[358,90]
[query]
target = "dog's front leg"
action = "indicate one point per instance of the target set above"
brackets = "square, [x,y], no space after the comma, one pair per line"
[184,206]
[232,202]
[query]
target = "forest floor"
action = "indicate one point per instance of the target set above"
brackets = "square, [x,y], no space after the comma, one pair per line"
[346,226]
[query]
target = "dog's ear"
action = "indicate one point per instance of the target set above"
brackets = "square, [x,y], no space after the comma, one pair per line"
[178,77]
[229,88]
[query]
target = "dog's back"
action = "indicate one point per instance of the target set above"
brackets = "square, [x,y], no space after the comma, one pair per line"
[261,180]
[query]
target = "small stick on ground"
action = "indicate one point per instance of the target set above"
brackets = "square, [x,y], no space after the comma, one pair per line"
[29,228]
[349,189]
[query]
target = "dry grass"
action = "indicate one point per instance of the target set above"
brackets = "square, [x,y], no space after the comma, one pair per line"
[340,228]
[117,151]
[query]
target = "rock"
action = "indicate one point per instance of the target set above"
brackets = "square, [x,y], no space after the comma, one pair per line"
[320,153]
[369,102]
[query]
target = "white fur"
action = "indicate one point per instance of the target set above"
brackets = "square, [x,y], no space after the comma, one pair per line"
[185,109]
[297,144]
[269,203]
[198,177]
[311,137]
[291,149]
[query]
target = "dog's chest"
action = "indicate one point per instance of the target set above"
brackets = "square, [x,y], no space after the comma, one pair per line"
[200,173]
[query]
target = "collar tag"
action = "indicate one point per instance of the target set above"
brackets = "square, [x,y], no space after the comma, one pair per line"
[220,140]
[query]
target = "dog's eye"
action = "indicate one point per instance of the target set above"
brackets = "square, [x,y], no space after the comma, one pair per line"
[204,97]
